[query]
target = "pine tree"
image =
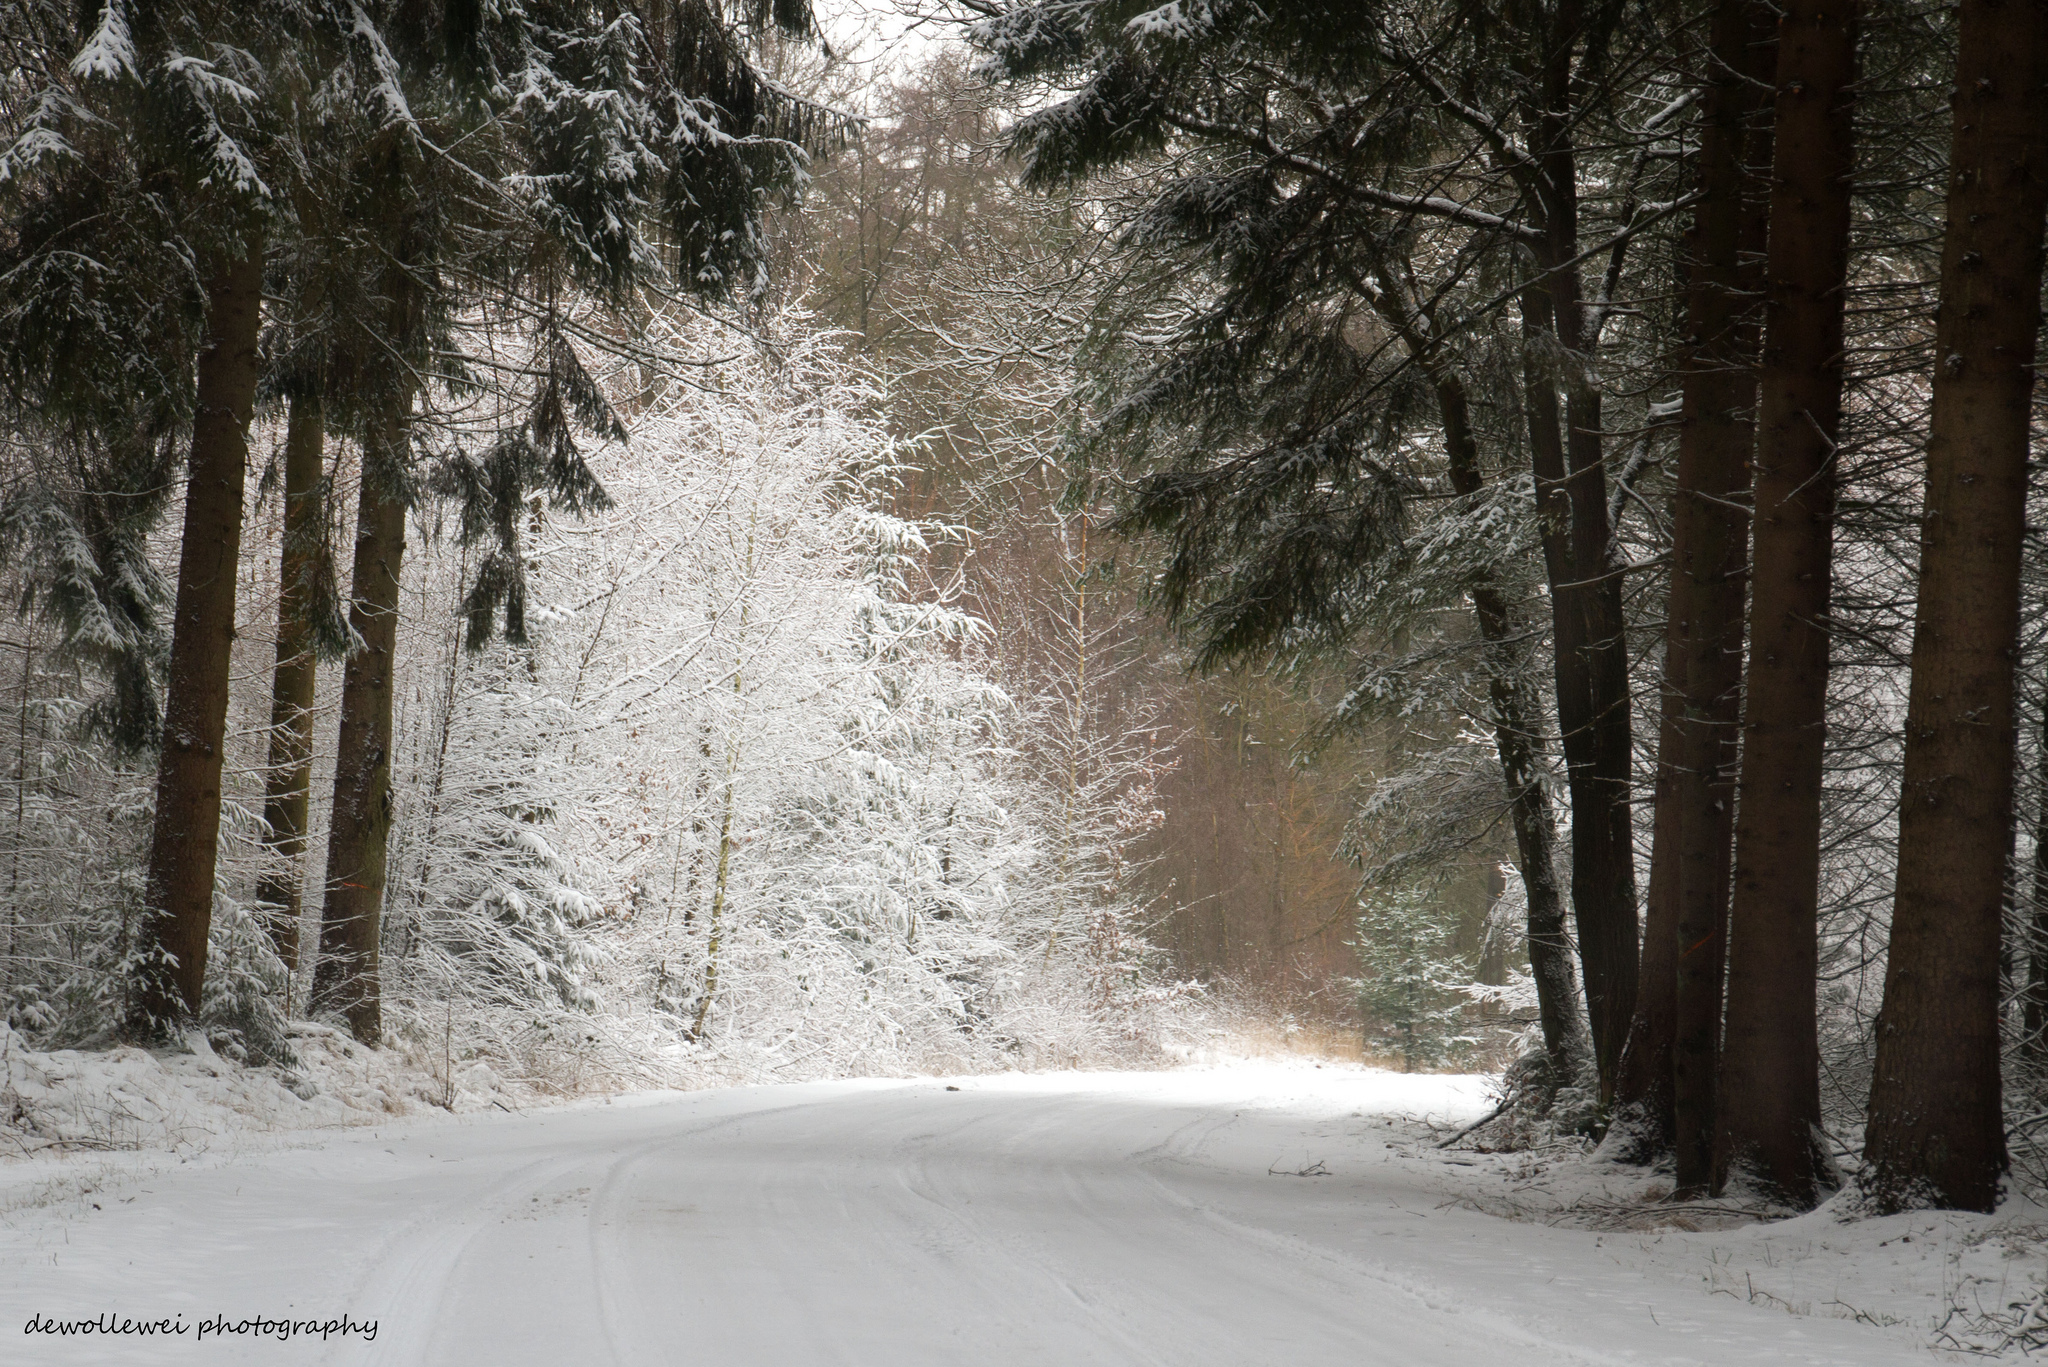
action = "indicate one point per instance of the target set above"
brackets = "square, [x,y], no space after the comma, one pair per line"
[1937,1129]
[1770,1083]
[1710,555]
[1665,1095]
[1261,419]
[1404,941]
[196,132]
[288,783]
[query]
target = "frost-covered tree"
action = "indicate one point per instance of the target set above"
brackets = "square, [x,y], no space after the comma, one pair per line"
[747,796]
[624,150]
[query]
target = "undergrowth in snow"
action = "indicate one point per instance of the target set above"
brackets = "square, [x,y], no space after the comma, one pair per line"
[1955,1280]
[71,1101]
[132,1100]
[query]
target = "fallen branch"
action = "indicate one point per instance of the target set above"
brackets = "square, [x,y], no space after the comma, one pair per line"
[1496,1114]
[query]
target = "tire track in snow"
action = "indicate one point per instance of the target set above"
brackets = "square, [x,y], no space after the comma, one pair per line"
[414,1278]
[406,1279]
[1069,1220]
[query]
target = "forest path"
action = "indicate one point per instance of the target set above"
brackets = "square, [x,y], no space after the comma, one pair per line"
[1062,1219]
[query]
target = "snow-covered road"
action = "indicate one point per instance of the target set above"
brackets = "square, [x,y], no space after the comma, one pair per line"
[1062,1219]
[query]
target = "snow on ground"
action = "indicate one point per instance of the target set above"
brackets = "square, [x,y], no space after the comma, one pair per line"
[1243,1214]
[1946,1278]
[73,1119]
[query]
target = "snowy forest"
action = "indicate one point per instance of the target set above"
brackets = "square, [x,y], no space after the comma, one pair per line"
[674,539]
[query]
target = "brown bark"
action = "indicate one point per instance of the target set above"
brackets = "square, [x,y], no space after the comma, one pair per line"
[1592,703]
[178,900]
[1517,727]
[1640,1123]
[1517,713]
[1590,630]
[1936,1134]
[1770,1080]
[289,782]
[358,842]
[1664,1098]
[1709,558]
[2034,1000]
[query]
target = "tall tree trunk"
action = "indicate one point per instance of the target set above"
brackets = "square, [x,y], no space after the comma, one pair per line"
[1591,639]
[359,839]
[1641,1126]
[1770,1085]
[183,849]
[1517,713]
[1517,732]
[2034,1003]
[1709,558]
[288,786]
[1936,1133]
[1591,702]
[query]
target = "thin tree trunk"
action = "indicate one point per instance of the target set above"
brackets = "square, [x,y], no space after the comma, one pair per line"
[1591,701]
[178,897]
[2034,1003]
[289,784]
[1603,827]
[1770,1084]
[1517,727]
[359,840]
[715,927]
[1936,1133]
[28,664]
[715,931]
[1709,558]
[1071,796]
[1517,713]
[1591,645]
[1641,1125]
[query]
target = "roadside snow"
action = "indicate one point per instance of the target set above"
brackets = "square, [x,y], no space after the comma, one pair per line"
[1244,1214]
[78,1119]
[1951,1279]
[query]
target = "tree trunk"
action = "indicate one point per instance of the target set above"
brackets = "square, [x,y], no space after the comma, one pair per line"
[1517,713]
[1771,1074]
[715,932]
[178,897]
[1709,559]
[2034,1004]
[715,929]
[1641,1125]
[1592,699]
[289,783]
[1936,1134]
[1517,728]
[1591,645]
[358,843]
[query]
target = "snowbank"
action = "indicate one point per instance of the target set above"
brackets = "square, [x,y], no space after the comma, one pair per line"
[1948,1279]
[131,1100]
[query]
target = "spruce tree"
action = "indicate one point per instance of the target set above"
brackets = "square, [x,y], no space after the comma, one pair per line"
[1770,1083]
[1298,134]
[193,141]
[1937,1130]
[1666,1095]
